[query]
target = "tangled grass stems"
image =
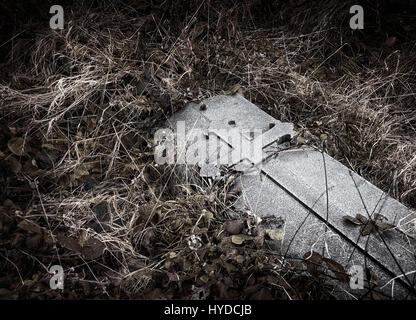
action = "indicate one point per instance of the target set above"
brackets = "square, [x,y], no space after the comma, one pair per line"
[89,98]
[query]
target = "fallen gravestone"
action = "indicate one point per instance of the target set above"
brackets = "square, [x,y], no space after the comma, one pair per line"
[322,205]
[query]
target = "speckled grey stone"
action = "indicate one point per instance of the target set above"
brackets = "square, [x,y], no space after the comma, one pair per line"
[292,186]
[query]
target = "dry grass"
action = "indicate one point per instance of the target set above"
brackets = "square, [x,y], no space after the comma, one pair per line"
[87,99]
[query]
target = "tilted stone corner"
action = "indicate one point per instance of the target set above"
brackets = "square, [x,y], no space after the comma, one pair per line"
[308,190]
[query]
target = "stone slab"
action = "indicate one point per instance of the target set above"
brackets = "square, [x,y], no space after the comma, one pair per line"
[312,192]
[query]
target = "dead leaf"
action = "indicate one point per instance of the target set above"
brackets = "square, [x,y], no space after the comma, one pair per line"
[93,249]
[34,242]
[14,165]
[234,227]
[361,218]
[69,243]
[372,277]
[208,214]
[240,238]
[367,228]
[384,226]
[337,269]
[17,146]
[300,140]
[352,219]
[230,267]
[276,235]
[198,29]
[29,226]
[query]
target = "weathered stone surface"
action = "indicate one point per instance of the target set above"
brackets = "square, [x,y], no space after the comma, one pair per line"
[312,192]
[214,115]
[305,230]
[303,175]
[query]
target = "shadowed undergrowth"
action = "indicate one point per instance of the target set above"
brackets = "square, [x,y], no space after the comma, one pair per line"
[78,108]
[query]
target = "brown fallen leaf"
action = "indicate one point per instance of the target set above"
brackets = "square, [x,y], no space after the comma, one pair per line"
[230,267]
[300,140]
[361,218]
[92,249]
[234,227]
[208,214]
[69,243]
[17,146]
[372,277]
[367,228]
[29,226]
[337,269]
[352,219]
[198,30]
[384,226]
[34,242]
[277,235]
[240,238]
[14,165]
